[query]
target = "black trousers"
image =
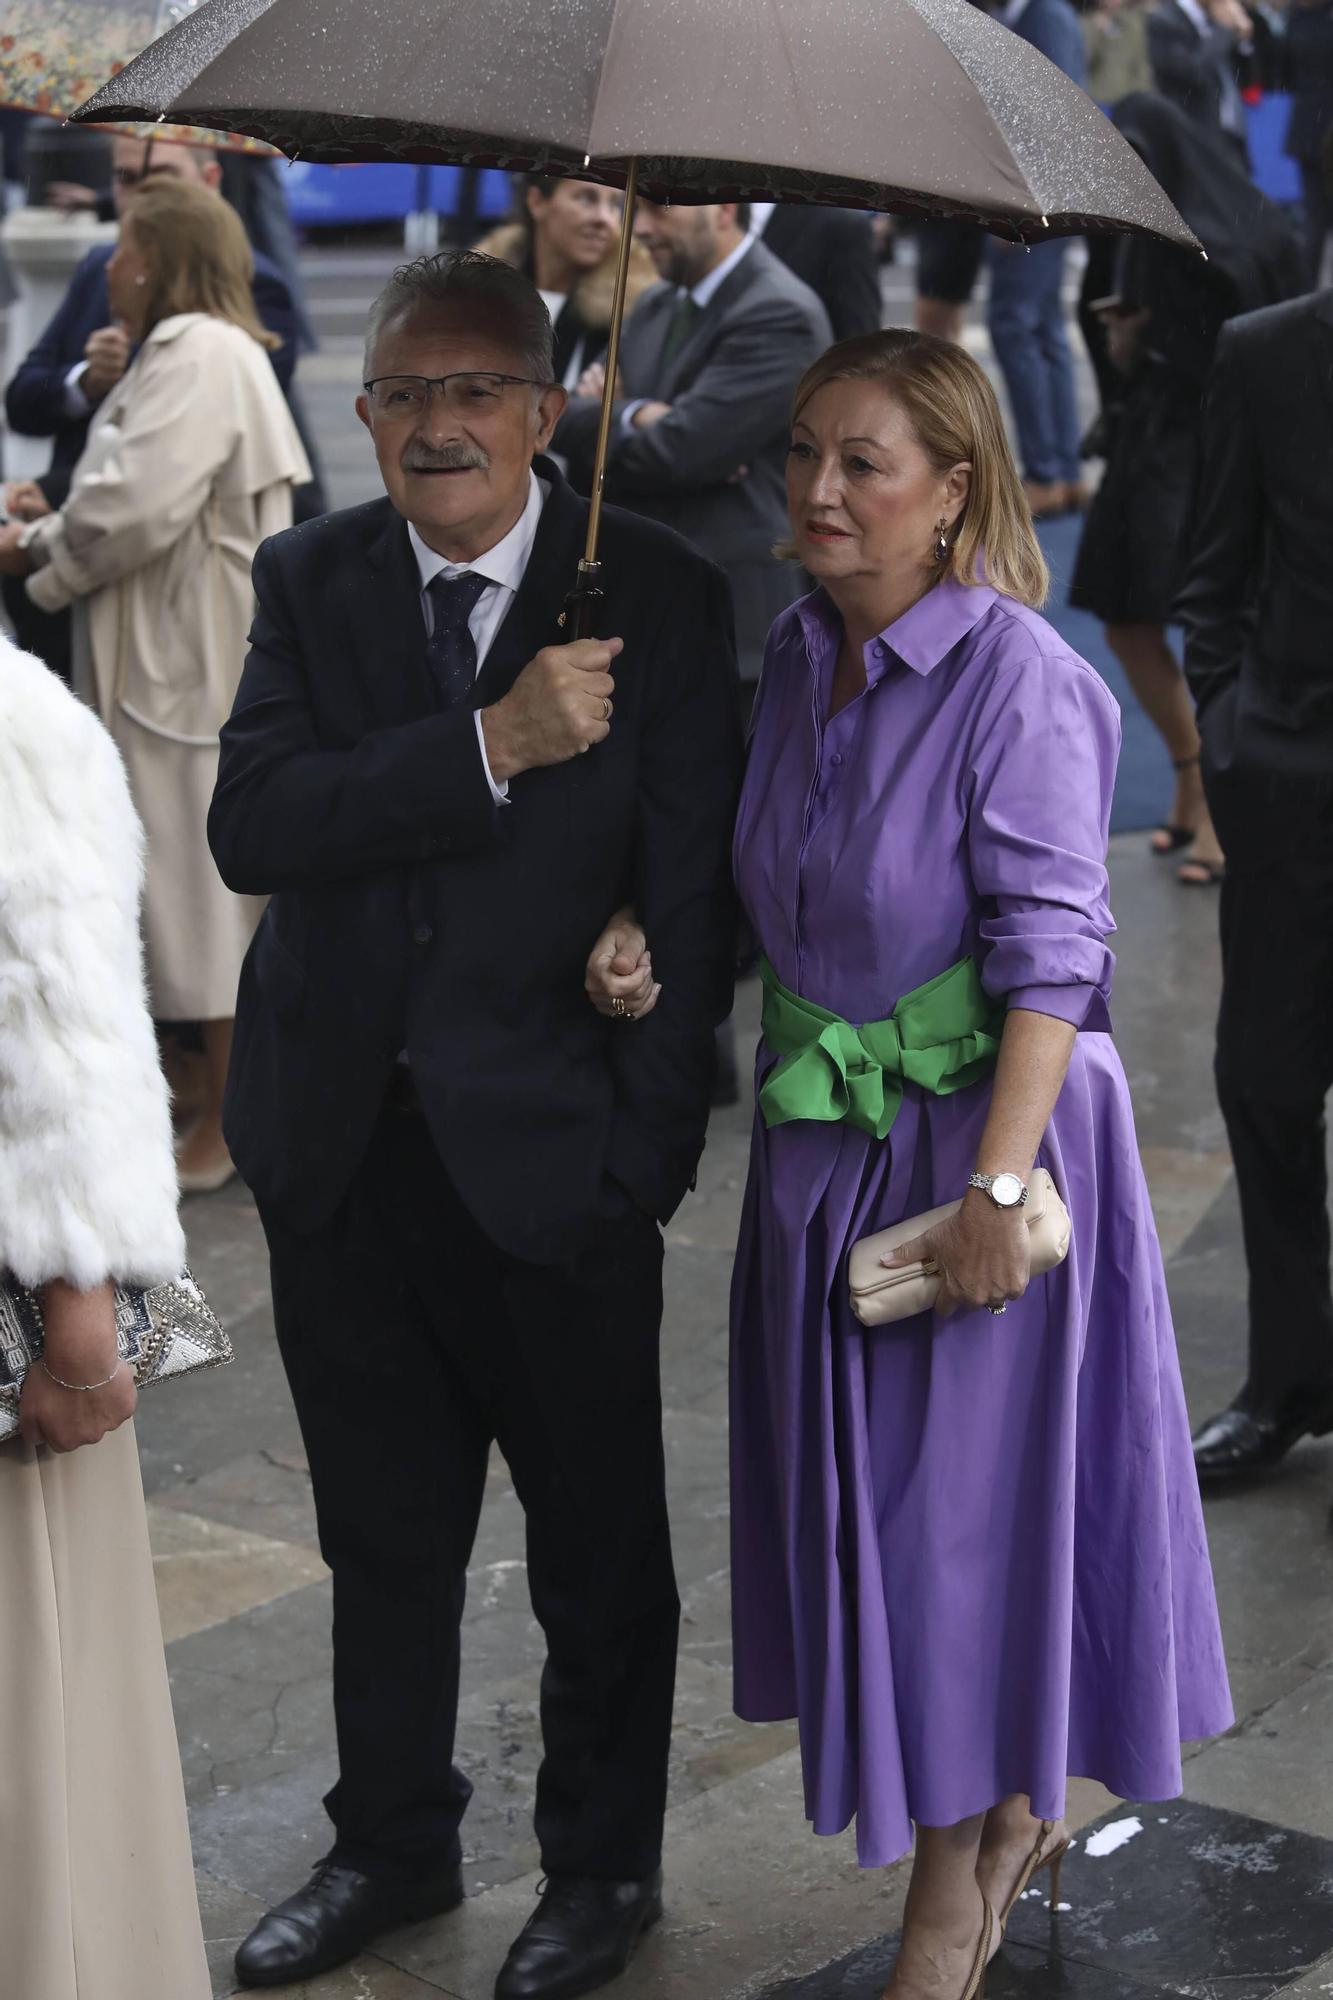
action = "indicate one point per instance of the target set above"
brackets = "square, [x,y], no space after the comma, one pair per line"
[411,1344]
[1275,1057]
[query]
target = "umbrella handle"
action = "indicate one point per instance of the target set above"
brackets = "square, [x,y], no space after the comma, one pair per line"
[612,367]
[582,605]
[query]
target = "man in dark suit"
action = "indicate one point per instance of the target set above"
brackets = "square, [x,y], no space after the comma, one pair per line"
[459,1166]
[82,354]
[1197,49]
[1258,610]
[833,251]
[709,362]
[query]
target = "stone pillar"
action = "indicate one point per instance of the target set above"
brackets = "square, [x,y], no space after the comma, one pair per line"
[43,246]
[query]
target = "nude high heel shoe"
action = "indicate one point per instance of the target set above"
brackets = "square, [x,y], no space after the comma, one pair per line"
[992,1937]
[976,1983]
[1036,1861]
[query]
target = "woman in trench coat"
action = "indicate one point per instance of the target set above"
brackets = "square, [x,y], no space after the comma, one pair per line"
[190,465]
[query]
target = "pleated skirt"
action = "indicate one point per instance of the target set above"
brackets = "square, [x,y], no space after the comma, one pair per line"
[97,1896]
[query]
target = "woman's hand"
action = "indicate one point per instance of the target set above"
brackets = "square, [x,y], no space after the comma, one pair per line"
[983,1254]
[25,501]
[620,969]
[80,1347]
[14,561]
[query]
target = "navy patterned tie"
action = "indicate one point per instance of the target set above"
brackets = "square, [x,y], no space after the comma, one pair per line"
[450,650]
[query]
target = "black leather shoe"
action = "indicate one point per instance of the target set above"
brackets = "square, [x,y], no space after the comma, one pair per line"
[581,1934]
[335,1916]
[1237,1442]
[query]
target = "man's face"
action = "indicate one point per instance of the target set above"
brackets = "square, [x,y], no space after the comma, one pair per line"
[132,160]
[457,469]
[682,242]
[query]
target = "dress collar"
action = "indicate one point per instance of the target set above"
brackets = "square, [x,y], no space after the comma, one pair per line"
[921,638]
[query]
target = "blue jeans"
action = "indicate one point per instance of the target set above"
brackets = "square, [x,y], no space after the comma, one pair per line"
[1027,328]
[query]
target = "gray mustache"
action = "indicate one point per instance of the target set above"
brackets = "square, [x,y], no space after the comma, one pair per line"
[449,458]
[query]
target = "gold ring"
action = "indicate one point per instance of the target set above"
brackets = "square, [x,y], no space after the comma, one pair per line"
[619,1008]
[606,708]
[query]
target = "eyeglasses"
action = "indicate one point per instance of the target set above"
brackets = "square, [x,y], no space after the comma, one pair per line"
[463,395]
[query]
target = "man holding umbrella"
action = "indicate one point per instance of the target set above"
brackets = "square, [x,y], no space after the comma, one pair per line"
[460,1168]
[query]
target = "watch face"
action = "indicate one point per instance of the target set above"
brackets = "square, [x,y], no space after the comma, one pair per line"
[1007,1190]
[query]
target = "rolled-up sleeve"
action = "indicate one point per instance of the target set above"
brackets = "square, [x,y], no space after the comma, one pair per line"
[1043,773]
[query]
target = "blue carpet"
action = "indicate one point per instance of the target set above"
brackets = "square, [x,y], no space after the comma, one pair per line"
[1143,787]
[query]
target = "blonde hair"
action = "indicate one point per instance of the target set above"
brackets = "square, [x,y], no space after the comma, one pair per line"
[955,418]
[198,254]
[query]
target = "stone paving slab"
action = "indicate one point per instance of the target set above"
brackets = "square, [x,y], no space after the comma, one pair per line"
[1279,1762]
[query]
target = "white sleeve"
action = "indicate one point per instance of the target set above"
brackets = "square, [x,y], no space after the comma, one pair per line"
[500,793]
[76,403]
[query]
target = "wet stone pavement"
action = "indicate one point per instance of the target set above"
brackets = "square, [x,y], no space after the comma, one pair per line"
[1228,1893]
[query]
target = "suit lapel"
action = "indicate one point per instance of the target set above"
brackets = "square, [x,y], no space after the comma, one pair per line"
[392,631]
[552,571]
[685,363]
[1322,341]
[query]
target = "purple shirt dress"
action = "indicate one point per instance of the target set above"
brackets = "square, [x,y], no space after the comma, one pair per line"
[968,1553]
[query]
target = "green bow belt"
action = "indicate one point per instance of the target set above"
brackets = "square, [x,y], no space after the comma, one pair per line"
[943,1036]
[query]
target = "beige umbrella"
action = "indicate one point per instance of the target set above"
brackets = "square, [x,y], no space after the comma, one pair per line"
[925,107]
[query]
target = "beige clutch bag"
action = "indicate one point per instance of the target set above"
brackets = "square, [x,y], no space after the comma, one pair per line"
[879,1296]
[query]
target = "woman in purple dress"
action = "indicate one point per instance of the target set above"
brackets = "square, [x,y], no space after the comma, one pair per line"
[968,1549]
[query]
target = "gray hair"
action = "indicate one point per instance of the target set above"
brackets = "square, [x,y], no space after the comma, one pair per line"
[470,281]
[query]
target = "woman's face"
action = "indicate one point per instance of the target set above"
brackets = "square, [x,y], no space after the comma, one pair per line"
[576,221]
[864,499]
[127,277]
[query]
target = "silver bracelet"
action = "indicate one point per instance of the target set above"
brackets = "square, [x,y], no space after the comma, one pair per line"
[82,1388]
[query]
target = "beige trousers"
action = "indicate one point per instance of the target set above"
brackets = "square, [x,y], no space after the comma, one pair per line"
[97,1898]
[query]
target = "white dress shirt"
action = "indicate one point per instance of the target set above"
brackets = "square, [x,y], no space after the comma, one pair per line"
[703,292]
[761,214]
[503,568]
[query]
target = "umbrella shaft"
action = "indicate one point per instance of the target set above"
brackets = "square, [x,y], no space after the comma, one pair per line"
[612,363]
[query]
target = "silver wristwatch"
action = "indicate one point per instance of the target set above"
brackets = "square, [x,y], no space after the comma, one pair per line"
[1005,1190]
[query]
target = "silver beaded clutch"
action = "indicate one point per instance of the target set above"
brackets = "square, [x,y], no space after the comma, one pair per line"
[168,1331]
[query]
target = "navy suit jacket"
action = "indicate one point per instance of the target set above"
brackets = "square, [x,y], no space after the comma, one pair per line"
[398,885]
[35,398]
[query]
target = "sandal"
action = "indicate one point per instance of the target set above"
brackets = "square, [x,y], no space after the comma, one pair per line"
[1213,873]
[1171,837]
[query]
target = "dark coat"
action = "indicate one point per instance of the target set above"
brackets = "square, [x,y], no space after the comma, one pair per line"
[715,468]
[410,912]
[833,251]
[35,398]
[1307,72]
[1191,70]
[1257,603]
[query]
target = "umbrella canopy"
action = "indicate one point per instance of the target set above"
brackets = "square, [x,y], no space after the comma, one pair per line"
[920,106]
[54,52]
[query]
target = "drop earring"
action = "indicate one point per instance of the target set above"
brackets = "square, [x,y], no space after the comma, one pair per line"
[941,548]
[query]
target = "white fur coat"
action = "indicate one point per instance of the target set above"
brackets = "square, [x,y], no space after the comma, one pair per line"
[87,1172]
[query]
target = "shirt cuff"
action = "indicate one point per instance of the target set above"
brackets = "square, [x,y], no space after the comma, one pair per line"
[1081,1007]
[627,414]
[500,793]
[76,403]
